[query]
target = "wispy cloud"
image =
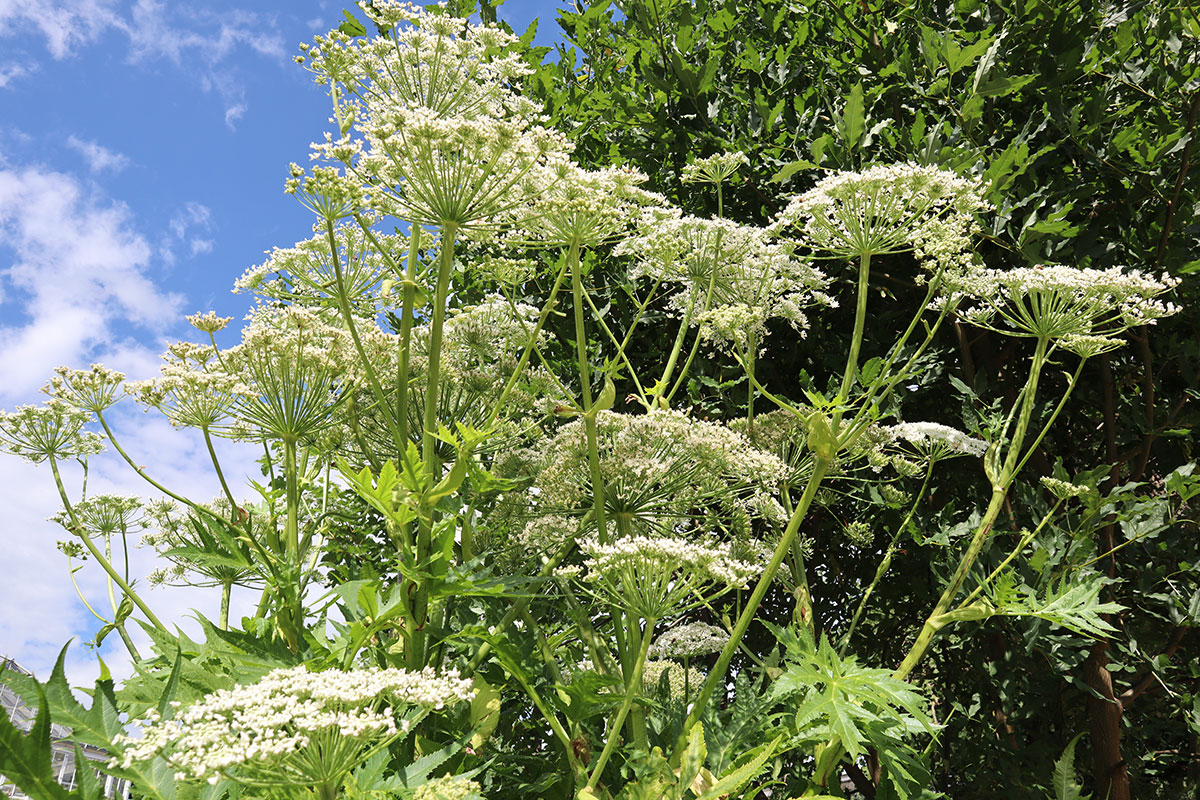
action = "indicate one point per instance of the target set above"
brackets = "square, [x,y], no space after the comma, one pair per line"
[199,41]
[98,157]
[196,37]
[65,24]
[186,227]
[12,71]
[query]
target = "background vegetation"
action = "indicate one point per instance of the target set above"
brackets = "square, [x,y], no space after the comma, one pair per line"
[1081,119]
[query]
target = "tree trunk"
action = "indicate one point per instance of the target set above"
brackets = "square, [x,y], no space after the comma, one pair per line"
[1104,716]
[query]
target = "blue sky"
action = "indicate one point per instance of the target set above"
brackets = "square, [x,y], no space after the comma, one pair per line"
[143,149]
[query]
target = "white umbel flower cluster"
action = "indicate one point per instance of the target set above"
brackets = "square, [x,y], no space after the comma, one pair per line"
[1081,308]
[52,430]
[656,578]
[187,391]
[249,732]
[688,641]
[431,127]
[566,204]
[937,441]
[1063,490]
[94,389]
[892,208]
[714,169]
[662,470]
[734,277]
[448,787]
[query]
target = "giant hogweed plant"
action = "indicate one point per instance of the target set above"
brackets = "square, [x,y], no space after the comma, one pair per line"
[593,572]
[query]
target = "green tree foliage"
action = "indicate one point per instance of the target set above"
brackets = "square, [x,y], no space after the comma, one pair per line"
[1080,118]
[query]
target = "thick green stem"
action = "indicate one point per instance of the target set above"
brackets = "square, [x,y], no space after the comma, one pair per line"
[96,554]
[860,321]
[327,791]
[430,464]
[128,640]
[717,675]
[1000,484]
[934,623]
[226,590]
[436,335]
[406,326]
[1016,551]
[633,688]
[289,613]
[585,385]
[291,480]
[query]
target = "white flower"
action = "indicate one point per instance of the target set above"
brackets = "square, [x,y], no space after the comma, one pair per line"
[735,277]
[1063,490]
[284,728]
[681,684]
[52,430]
[1084,308]
[662,471]
[208,322]
[94,389]
[566,204]
[937,441]
[715,168]
[658,577]
[687,641]
[891,208]
[448,787]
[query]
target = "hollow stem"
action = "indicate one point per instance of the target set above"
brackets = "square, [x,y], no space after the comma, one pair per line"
[886,563]
[717,675]
[226,590]
[96,554]
[632,689]
[860,320]
[585,385]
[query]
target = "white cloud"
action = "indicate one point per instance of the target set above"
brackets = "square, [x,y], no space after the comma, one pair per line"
[65,24]
[78,269]
[192,217]
[233,113]
[194,38]
[204,39]
[13,70]
[98,157]
[191,214]
[76,272]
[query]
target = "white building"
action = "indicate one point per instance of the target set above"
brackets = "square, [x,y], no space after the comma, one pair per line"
[22,716]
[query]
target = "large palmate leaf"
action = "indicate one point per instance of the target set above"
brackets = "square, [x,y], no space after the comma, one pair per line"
[844,699]
[98,725]
[27,759]
[863,708]
[1074,603]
